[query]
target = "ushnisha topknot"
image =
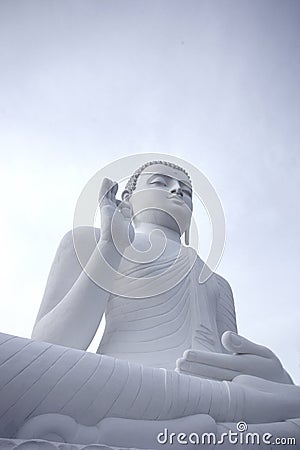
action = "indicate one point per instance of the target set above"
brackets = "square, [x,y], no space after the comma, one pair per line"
[131,184]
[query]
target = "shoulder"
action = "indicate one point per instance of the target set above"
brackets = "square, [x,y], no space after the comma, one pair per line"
[71,256]
[80,234]
[223,285]
[77,244]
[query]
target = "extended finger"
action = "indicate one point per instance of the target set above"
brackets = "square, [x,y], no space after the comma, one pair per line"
[106,185]
[205,371]
[235,343]
[241,363]
[114,190]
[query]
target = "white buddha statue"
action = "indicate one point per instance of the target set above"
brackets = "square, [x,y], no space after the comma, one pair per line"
[165,311]
[170,349]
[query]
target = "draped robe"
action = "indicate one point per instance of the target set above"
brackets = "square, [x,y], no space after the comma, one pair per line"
[51,392]
[155,330]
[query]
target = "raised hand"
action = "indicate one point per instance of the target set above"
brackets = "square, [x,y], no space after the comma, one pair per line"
[115,217]
[246,358]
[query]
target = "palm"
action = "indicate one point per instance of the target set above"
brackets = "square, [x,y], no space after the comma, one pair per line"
[115,216]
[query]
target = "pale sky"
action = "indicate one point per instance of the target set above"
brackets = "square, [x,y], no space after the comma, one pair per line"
[215,82]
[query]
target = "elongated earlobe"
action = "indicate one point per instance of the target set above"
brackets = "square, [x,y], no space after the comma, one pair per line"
[187,236]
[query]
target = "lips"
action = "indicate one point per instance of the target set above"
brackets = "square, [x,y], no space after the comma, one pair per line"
[176,198]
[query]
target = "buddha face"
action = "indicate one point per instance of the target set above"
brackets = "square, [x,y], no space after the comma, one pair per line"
[163,196]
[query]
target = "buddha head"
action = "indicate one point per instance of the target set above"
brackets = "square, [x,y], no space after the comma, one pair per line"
[160,193]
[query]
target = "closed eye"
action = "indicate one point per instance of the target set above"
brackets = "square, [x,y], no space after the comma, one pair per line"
[159,182]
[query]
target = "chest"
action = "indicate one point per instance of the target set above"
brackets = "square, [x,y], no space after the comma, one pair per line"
[187,310]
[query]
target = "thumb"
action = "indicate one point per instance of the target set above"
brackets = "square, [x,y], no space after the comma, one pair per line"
[235,343]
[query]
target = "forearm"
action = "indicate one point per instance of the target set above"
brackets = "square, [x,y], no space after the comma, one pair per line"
[75,319]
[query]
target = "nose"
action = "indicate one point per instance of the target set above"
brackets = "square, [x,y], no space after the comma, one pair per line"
[176,190]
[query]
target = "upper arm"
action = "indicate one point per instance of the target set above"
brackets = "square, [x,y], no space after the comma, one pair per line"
[66,266]
[226,317]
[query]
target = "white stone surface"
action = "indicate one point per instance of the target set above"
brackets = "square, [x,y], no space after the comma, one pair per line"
[99,399]
[39,444]
[170,357]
